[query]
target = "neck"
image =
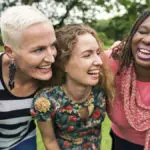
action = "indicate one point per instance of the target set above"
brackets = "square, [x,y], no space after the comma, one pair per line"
[77,93]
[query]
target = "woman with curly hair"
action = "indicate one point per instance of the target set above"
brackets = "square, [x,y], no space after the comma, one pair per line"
[70,113]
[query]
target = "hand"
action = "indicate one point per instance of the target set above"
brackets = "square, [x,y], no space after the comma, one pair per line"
[115,44]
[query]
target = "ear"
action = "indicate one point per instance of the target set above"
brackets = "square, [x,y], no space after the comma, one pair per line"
[9,51]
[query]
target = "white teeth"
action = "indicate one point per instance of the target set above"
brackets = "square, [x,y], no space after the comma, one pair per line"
[45,67]
[94,72]
[145,51]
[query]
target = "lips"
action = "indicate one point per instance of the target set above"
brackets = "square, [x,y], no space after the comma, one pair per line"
[45,69]
[94,73]
[145,51]
[143,54]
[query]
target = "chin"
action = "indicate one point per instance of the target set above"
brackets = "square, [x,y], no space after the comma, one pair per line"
[93,84]
[143,64]
[44,78]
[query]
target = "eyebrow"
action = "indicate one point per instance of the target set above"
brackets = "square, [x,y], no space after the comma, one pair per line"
[43,46]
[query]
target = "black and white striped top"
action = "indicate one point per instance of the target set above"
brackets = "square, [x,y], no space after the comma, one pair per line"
[16,124]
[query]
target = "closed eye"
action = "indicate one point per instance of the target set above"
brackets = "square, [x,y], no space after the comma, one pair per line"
[87,55]
[142,32]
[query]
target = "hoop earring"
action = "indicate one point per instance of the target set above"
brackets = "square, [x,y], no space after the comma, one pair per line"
[12,71]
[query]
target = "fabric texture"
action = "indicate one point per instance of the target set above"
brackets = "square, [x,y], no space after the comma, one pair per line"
[130,114]
[29,144]
[72,132]
[16,123]
[121,144]
[138,114]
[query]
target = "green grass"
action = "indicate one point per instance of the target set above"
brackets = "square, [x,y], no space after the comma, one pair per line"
[40,145]
[1,48]
[106,140]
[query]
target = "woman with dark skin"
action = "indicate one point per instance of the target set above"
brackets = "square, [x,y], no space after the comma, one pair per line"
[130,113]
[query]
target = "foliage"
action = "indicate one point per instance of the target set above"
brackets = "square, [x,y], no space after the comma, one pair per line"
[70,11]
[64,11]
[118,27]
[61,11]
[1,49]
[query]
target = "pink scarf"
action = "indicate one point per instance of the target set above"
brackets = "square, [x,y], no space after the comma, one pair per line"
[137,114]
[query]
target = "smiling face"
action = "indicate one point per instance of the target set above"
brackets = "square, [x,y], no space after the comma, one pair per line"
[141,45]
[37,52]
[85,63]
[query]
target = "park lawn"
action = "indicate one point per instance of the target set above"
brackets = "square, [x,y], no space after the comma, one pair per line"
[106,140]
[1,48]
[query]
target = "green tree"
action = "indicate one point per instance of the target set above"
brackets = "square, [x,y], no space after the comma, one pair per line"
[118,27]
[70,11]
[62,11]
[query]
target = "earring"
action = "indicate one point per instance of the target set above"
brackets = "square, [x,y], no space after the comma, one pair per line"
[12,71]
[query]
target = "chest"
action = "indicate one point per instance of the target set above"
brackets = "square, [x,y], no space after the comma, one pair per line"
[117,113]
[76,117]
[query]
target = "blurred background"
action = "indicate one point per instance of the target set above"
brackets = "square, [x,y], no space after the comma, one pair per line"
[112,19]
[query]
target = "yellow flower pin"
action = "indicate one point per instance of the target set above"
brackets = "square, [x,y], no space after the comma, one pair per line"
[42,104]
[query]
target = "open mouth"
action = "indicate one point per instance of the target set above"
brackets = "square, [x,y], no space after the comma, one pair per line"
[94,73]
[45,69]
[144,54]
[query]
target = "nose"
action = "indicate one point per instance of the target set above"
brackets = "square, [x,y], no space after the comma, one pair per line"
[50,55]
[146,39]
[97,60]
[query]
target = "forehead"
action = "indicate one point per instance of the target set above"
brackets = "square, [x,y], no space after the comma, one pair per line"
[38,34]
[86,42]
[146,22]
[38,27]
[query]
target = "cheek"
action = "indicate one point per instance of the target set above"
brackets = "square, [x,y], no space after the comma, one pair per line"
[79,66]
[136,38]
[134,43]
[26,64]
[71,68]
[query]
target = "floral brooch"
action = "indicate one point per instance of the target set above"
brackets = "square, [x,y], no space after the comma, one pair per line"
[42,104]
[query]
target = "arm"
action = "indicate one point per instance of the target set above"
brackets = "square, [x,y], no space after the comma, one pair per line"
[48,135]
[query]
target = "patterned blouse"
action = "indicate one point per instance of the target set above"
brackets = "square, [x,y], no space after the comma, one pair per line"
[73,130]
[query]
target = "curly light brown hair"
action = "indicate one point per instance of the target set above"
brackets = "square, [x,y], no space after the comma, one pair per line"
[66,40]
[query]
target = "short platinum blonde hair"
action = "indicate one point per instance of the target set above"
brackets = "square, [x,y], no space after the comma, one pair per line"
[17,18]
